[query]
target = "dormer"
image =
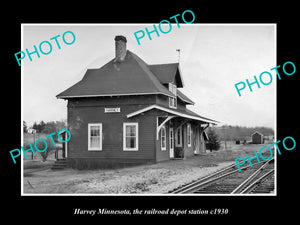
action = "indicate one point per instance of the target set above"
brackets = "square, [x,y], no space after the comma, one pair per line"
[168,73]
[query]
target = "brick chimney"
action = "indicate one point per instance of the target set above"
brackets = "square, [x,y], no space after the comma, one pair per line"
[120,48]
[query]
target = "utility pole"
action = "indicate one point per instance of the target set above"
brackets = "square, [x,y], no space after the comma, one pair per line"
[34,131]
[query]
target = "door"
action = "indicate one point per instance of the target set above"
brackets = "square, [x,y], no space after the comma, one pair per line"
[171,141]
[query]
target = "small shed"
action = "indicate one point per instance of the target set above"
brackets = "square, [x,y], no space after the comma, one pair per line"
[257,138]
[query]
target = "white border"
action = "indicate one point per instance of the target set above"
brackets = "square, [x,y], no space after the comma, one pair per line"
[132,24]
[22,118]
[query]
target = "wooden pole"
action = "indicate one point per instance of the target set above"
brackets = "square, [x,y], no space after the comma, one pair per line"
[33,142]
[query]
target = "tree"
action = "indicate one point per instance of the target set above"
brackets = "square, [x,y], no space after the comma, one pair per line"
[35,126]
[213,142]
[41,146]
[49,128]
[39,127]
[24,127]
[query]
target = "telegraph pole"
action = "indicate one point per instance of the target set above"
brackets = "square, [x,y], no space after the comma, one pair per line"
[34,131]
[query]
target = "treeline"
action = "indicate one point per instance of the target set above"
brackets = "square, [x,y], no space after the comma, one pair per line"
[233,133]
[45,127]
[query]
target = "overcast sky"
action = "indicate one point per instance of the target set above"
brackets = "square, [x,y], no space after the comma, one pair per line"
[213,57]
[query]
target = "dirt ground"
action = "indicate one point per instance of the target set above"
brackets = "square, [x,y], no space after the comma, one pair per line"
[145,179]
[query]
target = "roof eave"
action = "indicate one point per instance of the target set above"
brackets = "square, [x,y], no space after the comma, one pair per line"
[186,101]
[108,95]
[172,112]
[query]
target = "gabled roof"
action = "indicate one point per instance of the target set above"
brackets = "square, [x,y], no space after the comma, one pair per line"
[182,113]
[129,77]
[167,73]
[256,132]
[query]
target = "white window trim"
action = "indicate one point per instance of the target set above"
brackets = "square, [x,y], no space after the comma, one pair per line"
[171,140]
[189,135]
[176,137]
[161,142]
[137,137]
[89,134]
[172,100]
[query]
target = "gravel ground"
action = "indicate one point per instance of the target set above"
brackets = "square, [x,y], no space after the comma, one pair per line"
[145,179]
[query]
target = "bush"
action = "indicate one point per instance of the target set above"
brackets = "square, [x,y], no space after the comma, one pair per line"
[41,145]
[213,143]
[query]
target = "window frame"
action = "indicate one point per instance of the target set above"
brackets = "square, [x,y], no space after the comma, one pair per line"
[89,136]
[178,144]
[172,100]
[136,148]
[189,135]
[171,137]
[165,138]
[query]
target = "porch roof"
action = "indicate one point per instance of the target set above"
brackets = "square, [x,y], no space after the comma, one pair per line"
[185,114]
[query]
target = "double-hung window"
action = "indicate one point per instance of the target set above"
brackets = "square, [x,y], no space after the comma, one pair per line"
[173,100]
[95,136]
[130,136]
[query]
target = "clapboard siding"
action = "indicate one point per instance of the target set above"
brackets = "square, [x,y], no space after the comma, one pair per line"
[83,112]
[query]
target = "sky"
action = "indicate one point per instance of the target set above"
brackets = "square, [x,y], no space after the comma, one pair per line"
[213,58]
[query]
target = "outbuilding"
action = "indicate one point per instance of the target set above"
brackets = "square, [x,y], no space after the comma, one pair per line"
[128,112]
[257,138]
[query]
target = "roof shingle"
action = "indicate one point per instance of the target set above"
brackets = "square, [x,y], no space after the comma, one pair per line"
[129,77]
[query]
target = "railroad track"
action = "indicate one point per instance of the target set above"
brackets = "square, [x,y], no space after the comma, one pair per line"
[258,178]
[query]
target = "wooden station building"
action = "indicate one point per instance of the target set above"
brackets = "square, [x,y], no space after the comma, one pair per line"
[128,112]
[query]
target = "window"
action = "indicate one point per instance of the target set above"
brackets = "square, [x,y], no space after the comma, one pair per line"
[172,100]
[189,135]
[130,136]
[178,137]
[163,138]
[95,136]
[171,137]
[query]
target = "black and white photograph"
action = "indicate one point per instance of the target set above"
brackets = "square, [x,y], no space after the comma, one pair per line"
[126,111]
[130,109]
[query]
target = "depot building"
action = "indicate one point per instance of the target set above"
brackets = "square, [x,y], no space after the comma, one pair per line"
[128,112]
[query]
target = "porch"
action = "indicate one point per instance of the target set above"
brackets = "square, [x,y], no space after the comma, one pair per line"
[184,137]
[179,133]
